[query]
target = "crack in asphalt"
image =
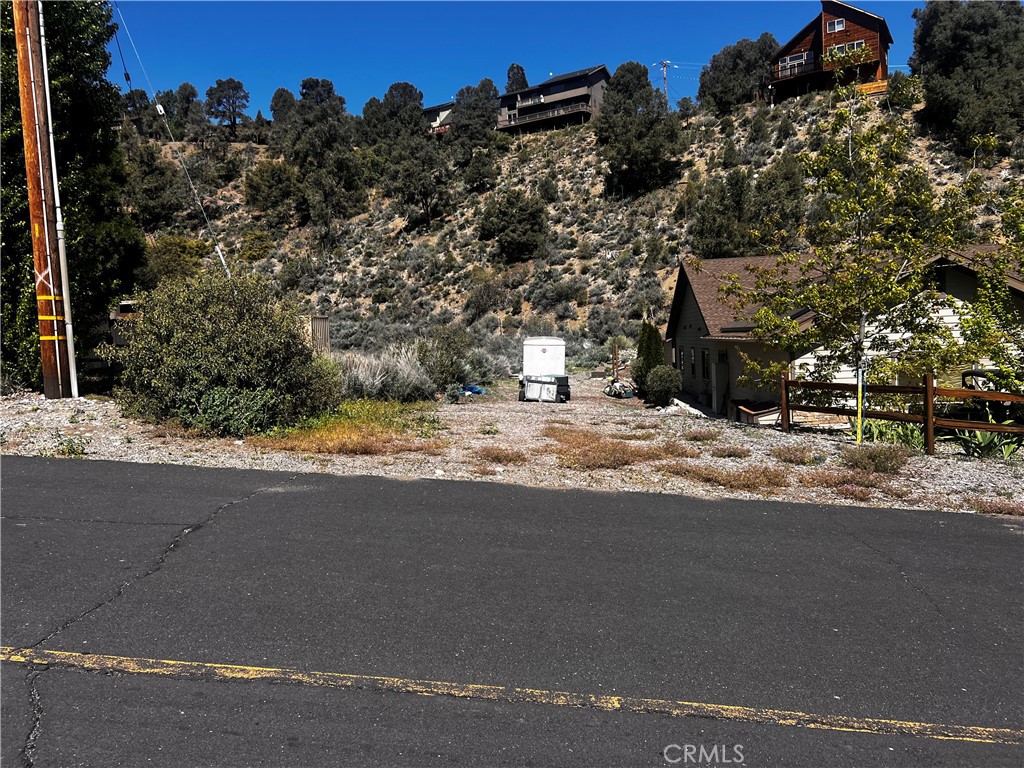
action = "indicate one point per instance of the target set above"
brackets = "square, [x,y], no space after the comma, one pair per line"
[28,752]
[903,574]
[159,563]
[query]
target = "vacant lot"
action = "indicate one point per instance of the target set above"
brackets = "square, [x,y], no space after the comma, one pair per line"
[591,442]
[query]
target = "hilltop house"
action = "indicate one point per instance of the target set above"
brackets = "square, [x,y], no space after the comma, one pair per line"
[799,67]
[439,117]
[563,100]
[704,337]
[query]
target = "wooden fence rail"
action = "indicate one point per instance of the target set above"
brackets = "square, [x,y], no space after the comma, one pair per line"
[928,420]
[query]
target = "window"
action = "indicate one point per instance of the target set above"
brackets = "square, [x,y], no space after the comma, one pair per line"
[795,63]
[847,48]
[836,25]
[693,362]
[705,364]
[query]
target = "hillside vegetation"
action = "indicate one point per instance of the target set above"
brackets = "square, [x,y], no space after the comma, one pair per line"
[602,263]
[445,250]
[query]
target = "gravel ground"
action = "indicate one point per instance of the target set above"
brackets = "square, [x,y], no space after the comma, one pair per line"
[31,426]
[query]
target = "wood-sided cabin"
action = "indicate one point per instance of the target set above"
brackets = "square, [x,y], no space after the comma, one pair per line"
[572,98]
[707,342]
[799,66]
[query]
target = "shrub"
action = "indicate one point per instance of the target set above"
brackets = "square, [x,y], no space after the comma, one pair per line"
[663,383]
[884,458]
[443,357]
[220,355]
[701,435]
[800,455]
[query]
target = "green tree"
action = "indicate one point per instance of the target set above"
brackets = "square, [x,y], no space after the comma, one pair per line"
[142,113]
[649,355]
[318,143]
[473,119]
[226,102]
[516,79]
[400,113]
[735,73]
[221,355]
[282,108]
[270,189]
[876,232]
[970,58]
[187,99]
[719,224]
[634,132]
[419,178]
[104,245]
[517,222]
[481,173]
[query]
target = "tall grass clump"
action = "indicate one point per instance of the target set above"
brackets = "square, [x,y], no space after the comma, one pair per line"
[393,374]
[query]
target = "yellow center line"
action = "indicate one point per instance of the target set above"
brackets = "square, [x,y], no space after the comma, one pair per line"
[192,670]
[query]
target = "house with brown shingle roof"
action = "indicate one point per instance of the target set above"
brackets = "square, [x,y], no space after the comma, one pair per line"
[706,340]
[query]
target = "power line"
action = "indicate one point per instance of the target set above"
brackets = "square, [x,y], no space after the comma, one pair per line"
[170,134]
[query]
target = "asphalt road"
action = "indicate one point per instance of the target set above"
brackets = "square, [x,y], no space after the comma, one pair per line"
[333,598]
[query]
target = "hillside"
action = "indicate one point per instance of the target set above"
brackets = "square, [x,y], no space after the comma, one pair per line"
[606,262]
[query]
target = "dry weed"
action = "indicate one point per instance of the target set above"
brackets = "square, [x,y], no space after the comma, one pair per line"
[800,455]
[759,479]
[998,507]
[679,451]
[879,457]
[582,449]
[498,455]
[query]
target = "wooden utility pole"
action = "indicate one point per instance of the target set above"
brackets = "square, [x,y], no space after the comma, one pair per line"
[50,292]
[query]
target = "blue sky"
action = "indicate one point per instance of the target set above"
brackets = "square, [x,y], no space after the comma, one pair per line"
[363,47]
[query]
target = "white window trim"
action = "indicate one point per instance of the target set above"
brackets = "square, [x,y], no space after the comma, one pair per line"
[846,47]
[835,25]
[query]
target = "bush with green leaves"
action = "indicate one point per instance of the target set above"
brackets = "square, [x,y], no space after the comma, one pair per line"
[983,444]
[663,383]
[222,356]
[517,222]
[877,431]
[443,356]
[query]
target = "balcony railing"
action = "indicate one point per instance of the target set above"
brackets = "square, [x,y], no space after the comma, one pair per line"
[514,120]
[786,71]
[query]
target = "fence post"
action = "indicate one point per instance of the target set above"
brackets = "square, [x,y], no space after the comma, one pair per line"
[929,414]
[785,401]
